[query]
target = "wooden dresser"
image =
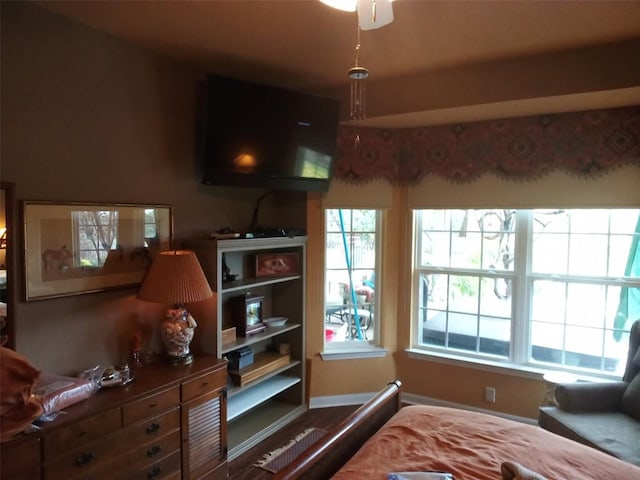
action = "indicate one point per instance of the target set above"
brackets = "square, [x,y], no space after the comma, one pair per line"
[169,423]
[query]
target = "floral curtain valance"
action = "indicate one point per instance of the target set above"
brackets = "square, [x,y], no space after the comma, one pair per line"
[583,143]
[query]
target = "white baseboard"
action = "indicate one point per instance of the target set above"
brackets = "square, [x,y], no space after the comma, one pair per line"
[411,399]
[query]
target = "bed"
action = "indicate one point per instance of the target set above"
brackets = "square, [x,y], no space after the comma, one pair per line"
[381,437]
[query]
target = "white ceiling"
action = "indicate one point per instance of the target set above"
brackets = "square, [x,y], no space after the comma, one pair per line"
[308,46]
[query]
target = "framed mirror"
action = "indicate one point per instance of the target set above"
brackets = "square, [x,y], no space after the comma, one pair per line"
[7,267]
[74,248]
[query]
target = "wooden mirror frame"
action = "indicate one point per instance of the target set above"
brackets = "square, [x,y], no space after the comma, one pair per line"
[10,206]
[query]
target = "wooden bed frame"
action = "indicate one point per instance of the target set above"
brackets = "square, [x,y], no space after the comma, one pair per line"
[325,457]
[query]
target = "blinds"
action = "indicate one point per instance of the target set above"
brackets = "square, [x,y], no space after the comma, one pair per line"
[374,194]
[620,188]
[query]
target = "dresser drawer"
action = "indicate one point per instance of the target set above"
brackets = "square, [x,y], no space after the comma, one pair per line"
[175,476]
[167,468]
[21,461]
[150,429]
[94,456]
[204,384]
[150,406]
[83,461]
[81,433]
[113,470]
[155,450]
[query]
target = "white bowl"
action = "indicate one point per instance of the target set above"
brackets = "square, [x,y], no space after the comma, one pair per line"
[275,321]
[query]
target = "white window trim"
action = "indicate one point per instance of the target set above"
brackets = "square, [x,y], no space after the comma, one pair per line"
[355,349]
[523,371]
[517,362]
[348,352]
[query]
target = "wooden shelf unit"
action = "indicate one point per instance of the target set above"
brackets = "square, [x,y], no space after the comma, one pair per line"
[269,402]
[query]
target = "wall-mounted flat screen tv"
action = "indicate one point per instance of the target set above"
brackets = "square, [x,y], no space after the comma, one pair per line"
[256,135]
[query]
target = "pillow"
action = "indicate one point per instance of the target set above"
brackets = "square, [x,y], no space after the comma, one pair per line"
[18,419]
[17,377]
[631,398]
[419,476]
[18,408]
[515,471]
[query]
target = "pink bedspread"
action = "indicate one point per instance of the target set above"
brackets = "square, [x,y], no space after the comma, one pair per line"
[473,445]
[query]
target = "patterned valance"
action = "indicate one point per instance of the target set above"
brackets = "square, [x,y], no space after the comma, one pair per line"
[583,143]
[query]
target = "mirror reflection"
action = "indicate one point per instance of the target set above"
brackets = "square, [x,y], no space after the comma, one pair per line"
[76,248]
[6,284]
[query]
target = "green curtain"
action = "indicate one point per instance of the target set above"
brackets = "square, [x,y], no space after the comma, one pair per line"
[629,306]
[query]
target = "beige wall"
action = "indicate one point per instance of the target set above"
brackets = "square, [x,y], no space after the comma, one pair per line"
[87,117]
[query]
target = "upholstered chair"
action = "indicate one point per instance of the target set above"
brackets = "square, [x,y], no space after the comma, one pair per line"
[604,415]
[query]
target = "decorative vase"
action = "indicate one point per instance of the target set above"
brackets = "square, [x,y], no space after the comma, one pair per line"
[176,331]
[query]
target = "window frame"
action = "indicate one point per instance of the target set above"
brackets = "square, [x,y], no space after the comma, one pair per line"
[81,221]
[520,357]
[369,347]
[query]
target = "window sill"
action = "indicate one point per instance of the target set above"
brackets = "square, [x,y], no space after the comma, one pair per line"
[523,371]
[353,353]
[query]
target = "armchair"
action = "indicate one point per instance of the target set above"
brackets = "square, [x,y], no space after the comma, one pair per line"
[605,416]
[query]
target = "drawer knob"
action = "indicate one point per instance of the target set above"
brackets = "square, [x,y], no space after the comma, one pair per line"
[153,405]
[153,428]
[154,451]
[85,459]
[155,472]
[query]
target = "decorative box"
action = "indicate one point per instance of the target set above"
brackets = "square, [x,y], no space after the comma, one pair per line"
[277,264]
[266,362]
[238,359]
[228,335]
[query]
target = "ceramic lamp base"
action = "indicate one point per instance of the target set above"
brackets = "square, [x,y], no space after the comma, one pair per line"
[176,331]
[184,360]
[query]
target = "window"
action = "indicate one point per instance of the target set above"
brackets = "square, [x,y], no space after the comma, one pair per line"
[352,246]
[151,235]
[531,287]
[97,233]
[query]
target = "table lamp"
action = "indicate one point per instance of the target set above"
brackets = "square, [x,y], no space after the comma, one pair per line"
[176,277]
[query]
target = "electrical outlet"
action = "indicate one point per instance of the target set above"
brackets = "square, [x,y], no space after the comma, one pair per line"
[490,394]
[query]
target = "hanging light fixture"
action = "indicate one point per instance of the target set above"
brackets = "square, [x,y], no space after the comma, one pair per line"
[358,75]
[371,14]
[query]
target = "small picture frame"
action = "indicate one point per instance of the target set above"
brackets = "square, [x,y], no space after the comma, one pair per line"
[277,264]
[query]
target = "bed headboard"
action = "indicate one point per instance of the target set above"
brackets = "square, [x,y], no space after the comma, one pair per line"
[328,454]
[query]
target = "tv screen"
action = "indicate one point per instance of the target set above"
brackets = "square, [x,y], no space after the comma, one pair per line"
[261,136]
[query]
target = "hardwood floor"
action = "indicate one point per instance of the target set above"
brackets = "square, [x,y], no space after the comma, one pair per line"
[241,468]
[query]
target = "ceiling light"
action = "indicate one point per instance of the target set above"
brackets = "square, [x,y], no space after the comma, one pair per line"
[371,13]
[345,5]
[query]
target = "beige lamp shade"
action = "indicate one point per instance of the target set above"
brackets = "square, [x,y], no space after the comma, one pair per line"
[175,277]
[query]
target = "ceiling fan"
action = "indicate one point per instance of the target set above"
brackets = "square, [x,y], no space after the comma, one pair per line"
[371,13]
